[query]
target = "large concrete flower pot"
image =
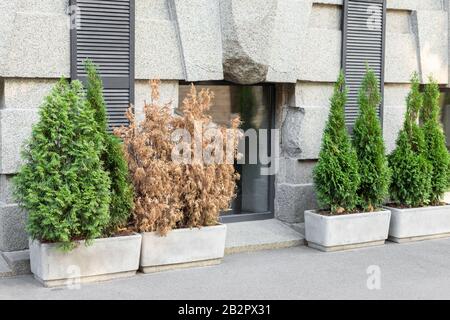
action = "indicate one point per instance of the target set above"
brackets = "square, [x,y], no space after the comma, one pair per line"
[183,248]
[343,232]
[104,259]
[416,224]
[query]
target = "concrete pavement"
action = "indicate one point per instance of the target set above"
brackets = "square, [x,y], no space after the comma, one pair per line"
[418,270]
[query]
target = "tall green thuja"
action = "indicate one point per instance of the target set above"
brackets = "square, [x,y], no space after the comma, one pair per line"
[369,145]
[62,183]
[436,150]
[336,175]
[113,157]
[411,171]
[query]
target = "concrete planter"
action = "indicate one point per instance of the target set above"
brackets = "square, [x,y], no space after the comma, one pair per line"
[334,233]
[182,248]
[105,259]
[416,224]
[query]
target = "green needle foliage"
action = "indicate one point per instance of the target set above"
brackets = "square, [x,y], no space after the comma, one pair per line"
[62,183]
[369,145]
[436,149]
[336,175]
[411,171]
[113,156]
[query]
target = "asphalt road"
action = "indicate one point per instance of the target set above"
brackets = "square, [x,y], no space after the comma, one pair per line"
[418,270]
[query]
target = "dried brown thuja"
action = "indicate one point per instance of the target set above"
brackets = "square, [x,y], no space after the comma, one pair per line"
[209,182]
[178,194]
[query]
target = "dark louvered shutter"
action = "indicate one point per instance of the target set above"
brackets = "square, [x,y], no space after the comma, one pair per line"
[103,31]
[363,43]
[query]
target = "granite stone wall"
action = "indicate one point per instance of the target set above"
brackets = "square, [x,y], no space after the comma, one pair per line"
[295,43]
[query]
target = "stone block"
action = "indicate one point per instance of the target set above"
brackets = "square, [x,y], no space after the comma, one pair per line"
[26,93]
[293,171]
[326,16]
[15,128]
[247,34]
[415,4]
[13,236]
[313,94]
[398,21]
[291,201]
[155,9]
[393,112]
[289,32]
[199,30]
[30,40]
[311,131]
[432,33]
[302,130]
[168,93]
[401,57]
[320,57]
[158,55]
[392,123]
[18,261]
[6,189]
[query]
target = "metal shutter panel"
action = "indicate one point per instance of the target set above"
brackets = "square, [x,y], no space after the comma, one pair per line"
[104,33]
[363,42]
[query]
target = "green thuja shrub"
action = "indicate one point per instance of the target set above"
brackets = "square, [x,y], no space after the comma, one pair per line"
[368,141]
[436,150]
[112,156]
[336,175]
[62,183]
[411,171]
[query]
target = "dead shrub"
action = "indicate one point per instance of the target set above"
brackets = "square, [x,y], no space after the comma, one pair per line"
[172,194]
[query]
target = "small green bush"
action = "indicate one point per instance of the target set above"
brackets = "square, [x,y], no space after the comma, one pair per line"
[369,145]
[336,174]
[411,171]
[113,155]
[436,150]
[62,183]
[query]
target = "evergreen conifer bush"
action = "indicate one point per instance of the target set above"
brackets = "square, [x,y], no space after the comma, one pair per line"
[411,170]
[336,175]
[369,145]
[436,150]
[62,183]
[113,156]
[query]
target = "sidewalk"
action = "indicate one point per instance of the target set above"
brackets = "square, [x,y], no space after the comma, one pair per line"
[409,271]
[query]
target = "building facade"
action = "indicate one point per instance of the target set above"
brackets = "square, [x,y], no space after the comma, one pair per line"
[283,56]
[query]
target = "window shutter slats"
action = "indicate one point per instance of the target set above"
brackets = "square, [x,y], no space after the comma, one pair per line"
[105,34]
[363,42]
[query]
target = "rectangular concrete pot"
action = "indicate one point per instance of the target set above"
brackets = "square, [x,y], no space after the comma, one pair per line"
[104,259]
[414,224]
[343,232]
[182,248]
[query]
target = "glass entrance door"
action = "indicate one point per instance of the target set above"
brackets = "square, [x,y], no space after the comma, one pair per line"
[254,105]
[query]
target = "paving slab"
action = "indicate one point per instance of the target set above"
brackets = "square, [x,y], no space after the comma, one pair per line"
[260,235]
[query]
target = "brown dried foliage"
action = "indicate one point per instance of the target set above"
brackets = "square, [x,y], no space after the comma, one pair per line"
[168,194]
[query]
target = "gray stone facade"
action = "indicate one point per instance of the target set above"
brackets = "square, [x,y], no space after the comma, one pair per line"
[293,43]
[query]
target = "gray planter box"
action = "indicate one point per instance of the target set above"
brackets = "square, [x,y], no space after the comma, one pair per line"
[343,232]
[182,248]
[416,224]
[104,259]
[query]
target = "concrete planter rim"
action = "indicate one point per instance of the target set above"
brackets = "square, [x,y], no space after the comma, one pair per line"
[182,230]
[344,216]
[82,242]
[447,205]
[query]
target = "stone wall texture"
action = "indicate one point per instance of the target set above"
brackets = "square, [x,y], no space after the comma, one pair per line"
[296,43]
